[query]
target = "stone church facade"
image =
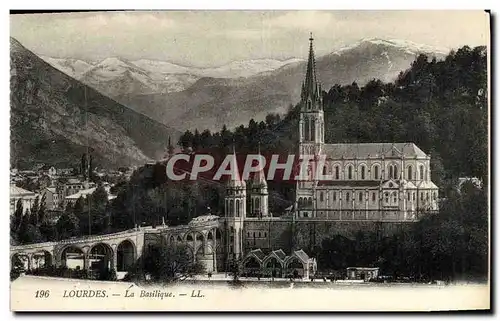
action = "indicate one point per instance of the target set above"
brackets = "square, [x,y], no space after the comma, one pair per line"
[371,181]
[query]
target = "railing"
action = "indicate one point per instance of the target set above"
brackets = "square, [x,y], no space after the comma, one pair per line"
[87,238]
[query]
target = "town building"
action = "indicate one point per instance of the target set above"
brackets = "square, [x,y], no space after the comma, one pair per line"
[362,273]
[52,198]
[74,185]
[26,197]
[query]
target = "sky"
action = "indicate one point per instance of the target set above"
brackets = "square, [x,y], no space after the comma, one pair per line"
[214,38]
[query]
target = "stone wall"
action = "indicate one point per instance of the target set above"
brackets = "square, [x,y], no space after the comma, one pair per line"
[275,234]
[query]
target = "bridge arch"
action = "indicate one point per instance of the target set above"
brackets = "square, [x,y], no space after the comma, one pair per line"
[100,256]
[126,254]
[20,261]
[42,259]
[72,257]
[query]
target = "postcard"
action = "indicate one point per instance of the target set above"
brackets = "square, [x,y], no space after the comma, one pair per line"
[250,161]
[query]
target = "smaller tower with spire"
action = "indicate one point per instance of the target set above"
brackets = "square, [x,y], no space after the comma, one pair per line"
[259,194]
[235,210]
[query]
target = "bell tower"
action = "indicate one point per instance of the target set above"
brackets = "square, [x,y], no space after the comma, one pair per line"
[311,124]
[311,137]
[258,199]
[235,211]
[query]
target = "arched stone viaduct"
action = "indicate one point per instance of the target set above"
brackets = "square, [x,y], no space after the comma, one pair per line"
[203,237]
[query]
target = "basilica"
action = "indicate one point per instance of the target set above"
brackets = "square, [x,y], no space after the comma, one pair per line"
[371,181]
[381,182]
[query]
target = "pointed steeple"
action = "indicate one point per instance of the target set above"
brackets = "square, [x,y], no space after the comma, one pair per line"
[259,178]
[235,180]
[310,84]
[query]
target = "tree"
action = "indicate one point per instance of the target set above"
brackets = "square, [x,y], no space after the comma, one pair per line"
[18,216]
[166,264]
[41,210]
[67,226]
[34,212]
[170,148]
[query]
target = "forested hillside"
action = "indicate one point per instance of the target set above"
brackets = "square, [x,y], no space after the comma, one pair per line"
[439,105]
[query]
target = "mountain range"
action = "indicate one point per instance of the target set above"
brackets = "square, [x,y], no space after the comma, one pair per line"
[56,118]
[206,98]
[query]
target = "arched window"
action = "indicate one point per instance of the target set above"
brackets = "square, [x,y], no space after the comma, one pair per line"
[347,196]
[363,172]
[306,129]
[334,196]
[394,197]
[324,170]
[257,204]
[337,172]
[391,171]
[231,207]
[422,196]
[309,201]
[395,172]
[410,173]
[321,196]
[386,198]
[373,197]
[349,172]
[300,202]
[427,196]
[376,172]
[360,196]
[313,129]
[408,196]
[237,208]
[308,105]
[421,172]
[434,196]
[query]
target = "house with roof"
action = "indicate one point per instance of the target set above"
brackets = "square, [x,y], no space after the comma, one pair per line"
[74,185]
[27,198]
[82,193]
[52,198]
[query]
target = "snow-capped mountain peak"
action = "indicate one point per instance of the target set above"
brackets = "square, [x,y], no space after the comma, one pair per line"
[407,46]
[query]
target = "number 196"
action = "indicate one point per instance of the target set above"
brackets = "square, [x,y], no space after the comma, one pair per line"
[42,294]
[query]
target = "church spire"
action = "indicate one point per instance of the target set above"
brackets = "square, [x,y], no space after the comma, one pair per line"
[310,85]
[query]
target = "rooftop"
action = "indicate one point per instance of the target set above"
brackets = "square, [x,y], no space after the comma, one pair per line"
[373,150]
[83,193]
[18,191]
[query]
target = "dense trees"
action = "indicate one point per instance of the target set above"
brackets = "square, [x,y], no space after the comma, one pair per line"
[439,105]
[450,245]
[164,263]
[89,215]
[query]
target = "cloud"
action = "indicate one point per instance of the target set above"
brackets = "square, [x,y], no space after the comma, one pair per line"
[302,20]
[243,34]
[127,20]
